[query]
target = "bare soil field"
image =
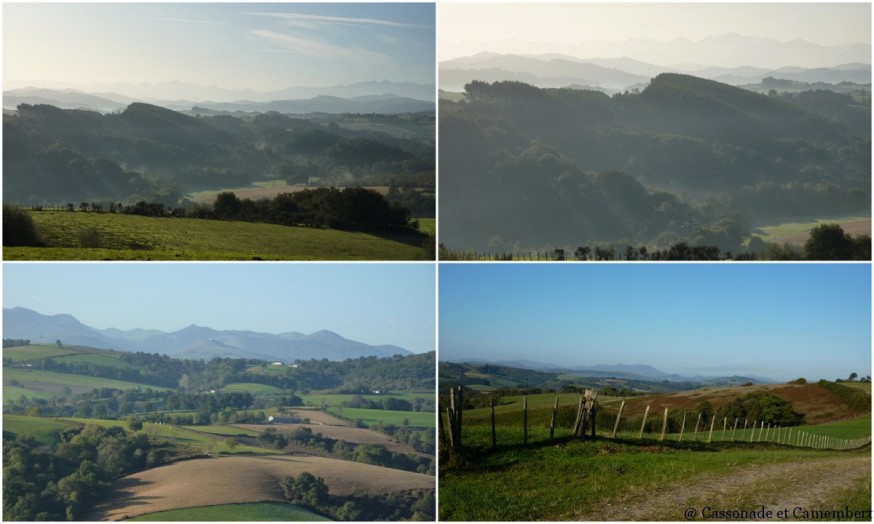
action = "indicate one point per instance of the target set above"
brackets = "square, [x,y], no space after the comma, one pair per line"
[320,418]
[227,480]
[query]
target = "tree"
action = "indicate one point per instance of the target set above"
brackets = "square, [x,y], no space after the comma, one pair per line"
[853,376]
[828,242]
[305,489]
[227,206]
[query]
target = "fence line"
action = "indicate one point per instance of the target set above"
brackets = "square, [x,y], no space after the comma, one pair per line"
[585,418]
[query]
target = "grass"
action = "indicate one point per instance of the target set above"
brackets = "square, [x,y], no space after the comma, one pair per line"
[255,511]
[249,387]
[44,430]
[131,237]
[34,352]
[336,400]
[228,431]
[179,435]
[15,392]
[571,479]
[112,361]
[52,382]
[371,416]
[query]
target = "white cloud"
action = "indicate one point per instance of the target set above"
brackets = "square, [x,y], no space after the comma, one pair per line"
[298,19]
[314,48]
[189,21]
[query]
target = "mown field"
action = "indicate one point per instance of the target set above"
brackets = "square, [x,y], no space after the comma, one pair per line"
[130,237]
[45,430]
[237,479]
[372,416]
[319,400]
[33,382]
[252,512]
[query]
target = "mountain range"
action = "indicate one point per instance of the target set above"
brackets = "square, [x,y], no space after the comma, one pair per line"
[618,74]
[192,342]
[380,103]
[623,371]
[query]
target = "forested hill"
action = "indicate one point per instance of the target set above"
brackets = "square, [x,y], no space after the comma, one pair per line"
[525,167]
[148,152]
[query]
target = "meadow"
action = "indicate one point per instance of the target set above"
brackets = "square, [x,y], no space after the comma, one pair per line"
[371,416]
[32,382]
[107,236]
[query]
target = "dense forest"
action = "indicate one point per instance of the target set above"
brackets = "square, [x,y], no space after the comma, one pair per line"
[685,159]
[145,152]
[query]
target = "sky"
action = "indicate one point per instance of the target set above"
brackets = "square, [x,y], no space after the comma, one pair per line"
[369,303]
[780,321]
[235,46]
[585,29]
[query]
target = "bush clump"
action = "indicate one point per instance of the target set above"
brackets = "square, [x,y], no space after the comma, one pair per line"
[18,227]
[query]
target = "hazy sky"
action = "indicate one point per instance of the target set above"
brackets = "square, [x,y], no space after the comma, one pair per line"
[774,320]
[580,29]
[234,46]
[370,303]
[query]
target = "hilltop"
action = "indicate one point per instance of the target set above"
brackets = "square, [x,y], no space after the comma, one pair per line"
[684,159]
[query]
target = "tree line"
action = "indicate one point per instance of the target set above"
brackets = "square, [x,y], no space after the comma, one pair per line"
[311,491]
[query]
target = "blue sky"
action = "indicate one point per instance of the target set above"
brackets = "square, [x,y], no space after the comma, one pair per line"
[370,303]
[775,320]
[230,45]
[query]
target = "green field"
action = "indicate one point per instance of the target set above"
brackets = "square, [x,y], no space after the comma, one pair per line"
[336,400]
[371,416]
[43,382]
[254,389]
[34,352]
[44,430]
[131,237]
[574,479]
[179,435]
[15,393]
[112,361]
[258,511]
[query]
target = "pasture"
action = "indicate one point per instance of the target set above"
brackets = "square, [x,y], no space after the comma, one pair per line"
[45,430]
[239,479]
[336,400]
[256,511]
[50,382]
[252,388]
[132,237]
[372,416]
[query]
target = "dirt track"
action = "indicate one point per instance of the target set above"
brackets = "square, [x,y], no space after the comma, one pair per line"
[804,484]
[235,479]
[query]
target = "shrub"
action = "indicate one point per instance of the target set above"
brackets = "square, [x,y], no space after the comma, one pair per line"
[18,227]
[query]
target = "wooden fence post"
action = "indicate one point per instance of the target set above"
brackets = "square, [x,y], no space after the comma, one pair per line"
[577,419]
[753,432]
[618,417]
[767,431]
[695,435]
[724,425]
[760,431]
[494,435]
[682,428]
[552,422]
[645,413]
[734,429]
[710,436]
[664,424]
[525,420]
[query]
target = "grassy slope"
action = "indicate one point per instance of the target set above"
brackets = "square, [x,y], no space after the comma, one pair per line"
[253,388]
[50,381]
[129,237]
[45,430]
[336,400]
[257,511]
[34,352]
